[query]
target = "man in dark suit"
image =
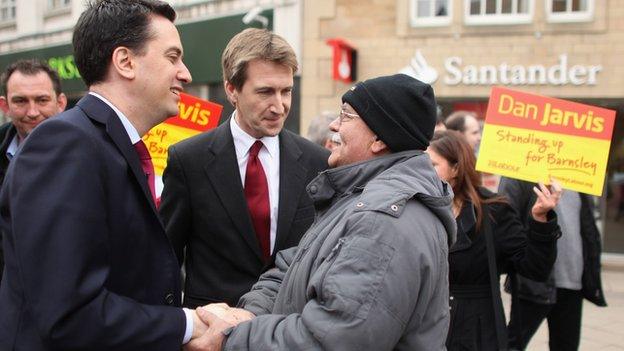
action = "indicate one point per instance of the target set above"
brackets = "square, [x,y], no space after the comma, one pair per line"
[235,196]
[88,263]
[31,93]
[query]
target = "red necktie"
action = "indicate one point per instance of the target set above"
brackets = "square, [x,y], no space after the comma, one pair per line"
[257,195]
[148,167]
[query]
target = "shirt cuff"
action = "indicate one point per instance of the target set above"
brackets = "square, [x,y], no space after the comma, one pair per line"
[189,325]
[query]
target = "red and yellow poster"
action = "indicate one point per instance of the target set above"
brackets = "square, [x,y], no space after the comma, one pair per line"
[195,116]
[532,137]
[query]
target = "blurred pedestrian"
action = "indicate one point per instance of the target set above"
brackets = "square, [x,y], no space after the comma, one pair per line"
[319,132]
[465,122]
[491,240]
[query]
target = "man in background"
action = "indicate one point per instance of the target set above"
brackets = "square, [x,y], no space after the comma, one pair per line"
[31,93]
[319,132]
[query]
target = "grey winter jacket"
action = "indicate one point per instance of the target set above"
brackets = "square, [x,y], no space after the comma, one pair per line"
[371,273]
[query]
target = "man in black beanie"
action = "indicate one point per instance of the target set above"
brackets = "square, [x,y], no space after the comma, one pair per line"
[371,272]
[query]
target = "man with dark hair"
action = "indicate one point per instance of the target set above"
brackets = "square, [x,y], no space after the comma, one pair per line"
[31,93]
[235,196]
[372,271]
[88,263]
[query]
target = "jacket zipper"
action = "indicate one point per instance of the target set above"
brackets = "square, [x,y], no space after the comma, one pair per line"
[335,250]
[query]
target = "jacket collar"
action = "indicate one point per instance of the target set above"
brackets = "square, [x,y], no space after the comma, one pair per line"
[351,178]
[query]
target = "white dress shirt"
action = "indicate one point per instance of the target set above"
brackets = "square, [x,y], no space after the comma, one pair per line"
[134,136]
[269,156]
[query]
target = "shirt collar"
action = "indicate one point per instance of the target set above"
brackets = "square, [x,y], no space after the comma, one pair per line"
[130,130]
[243,141]
[13,147]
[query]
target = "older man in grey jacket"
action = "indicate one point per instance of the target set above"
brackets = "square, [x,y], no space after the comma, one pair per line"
[371,273]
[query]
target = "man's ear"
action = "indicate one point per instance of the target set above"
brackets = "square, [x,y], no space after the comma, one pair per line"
[61,101]
[123,62]
[4,105]
[231,92]
[379,147]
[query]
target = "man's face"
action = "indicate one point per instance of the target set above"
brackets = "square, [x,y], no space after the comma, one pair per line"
[355,138]
[160,70]
[263,102]
[30,100]
[472,132]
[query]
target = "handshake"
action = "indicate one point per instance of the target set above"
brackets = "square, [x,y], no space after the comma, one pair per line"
[210,321]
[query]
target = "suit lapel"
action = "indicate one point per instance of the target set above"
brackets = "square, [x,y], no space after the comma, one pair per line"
[222,171]
[292,181]
[98,110]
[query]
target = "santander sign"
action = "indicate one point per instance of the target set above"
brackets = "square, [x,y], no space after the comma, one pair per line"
[459,73]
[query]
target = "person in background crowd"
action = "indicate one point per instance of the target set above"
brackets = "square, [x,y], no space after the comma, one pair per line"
[439,120]
[31,93]
[576,273]
[319,132]
[466,123]
[88,264]
[371,273]
[490,240]
[235,196]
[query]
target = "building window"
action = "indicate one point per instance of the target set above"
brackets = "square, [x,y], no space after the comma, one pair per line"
[559,11]
[486,12]
[7,11]
[425,13]
[58,4]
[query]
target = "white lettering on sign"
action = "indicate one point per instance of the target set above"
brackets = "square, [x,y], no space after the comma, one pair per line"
[505,74]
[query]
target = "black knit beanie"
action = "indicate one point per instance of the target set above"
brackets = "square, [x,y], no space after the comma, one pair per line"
[401,110]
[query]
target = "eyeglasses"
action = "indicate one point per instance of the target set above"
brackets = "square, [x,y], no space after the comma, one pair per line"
[346,116]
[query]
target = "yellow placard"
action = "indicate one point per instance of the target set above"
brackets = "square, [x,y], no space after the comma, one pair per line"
[576,162]
[532,137]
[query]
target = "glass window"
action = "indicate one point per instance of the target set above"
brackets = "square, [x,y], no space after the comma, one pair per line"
[58,4]
[430,12]
[487,12]
[7,10]
[569,10]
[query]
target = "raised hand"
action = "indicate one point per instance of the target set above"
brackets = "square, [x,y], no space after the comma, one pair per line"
[547,199]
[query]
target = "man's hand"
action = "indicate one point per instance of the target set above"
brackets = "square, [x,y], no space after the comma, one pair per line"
[547,199]
[199,327]
[228,314]
[212,339]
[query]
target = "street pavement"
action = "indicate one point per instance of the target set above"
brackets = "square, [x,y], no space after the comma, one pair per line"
[603,327]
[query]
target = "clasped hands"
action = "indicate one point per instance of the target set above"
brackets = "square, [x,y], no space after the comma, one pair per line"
[210,321]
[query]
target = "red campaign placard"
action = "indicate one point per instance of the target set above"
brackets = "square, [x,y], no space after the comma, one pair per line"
[196,113]
[529,111]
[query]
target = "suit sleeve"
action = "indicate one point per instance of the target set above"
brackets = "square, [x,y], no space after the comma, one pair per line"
[175,207]
[59,218]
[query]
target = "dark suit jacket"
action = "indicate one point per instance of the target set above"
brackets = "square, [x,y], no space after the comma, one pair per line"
[205,211]
[88,264]
[7,132]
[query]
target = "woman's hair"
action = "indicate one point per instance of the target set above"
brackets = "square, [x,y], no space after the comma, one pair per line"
[453,147]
